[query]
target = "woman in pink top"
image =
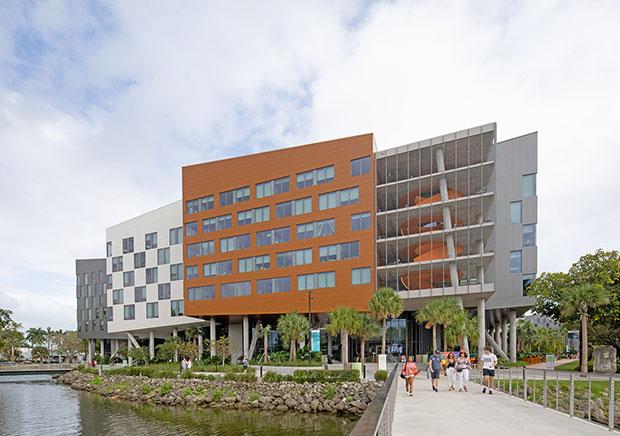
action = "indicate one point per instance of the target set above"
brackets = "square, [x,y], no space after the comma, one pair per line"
[410,370]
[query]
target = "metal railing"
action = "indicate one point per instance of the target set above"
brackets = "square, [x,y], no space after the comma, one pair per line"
[593,397]
[37,367]
[378,416]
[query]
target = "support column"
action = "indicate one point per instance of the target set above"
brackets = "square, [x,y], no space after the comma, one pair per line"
[505,335]
[246,336]
[151,345]
[481,326]
[91,350]
[465,338]
[129,347]
[200,346]
[175,334]
[496,346]
[498,332]
[212,335]
[102,348]
[329,345]
[513,335]
[447,219]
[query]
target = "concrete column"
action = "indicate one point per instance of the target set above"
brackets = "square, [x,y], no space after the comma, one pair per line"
[151,344]
[498,332]
[496,347]
[212,335]
[513,335]
[441,167]
[480,274]
[129,347]
[246,336]
[200,347]
[91,350]
[481,326]
[329,345]
[175,333]
[102,348]
[505,335]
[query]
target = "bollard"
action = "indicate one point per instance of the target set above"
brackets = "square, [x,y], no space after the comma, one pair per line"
[612,401]
[571,397]
[261,371]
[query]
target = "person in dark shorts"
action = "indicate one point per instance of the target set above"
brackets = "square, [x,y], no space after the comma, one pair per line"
[489,361]
[434,364]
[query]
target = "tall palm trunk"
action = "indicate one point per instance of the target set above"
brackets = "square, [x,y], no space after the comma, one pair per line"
[265,352]
[584,344]
[362,350]
[344,352]
[435,347]
[383,337]
[293,350]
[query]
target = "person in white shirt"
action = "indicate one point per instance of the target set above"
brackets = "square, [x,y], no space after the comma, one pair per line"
[489,361]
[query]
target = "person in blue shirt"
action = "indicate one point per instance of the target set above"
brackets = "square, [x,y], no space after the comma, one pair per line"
[434,364]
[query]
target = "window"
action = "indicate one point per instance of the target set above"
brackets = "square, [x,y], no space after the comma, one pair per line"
[529,235]
[515,261]
[191,229]
[176,308]
[316,229]
[315,177]
[294,207]
[109,281]
[529,185]
[273,236]
[360,166]
[270,286]
[151,275]
[128,278]
[216,223]
[152,310]
[163,291]
[108,249]
[527,280]
[360,276]
[217,268]
[198,204]
[176,271]
[235,196]
[117,263]
[235,243]
[150,240]
[163,256]
[176,236]
[201,293]
[515,212]
[316,281]
[117,296]
[101,274]
[139,260]
[339,198]
[191,272]
[294,258]
[258,215]
[346,250]
[127,245]
[200,249]
[110,314]
[139,294]
[255,263]
[277,186]
[237,289]
[130,311]
[360,221]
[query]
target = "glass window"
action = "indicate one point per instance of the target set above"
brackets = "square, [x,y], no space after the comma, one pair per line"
[235,196]
[258,215]
[130,311]
[151,275]
[150,240]
[217,269]
[109,281]
[294,207]
[110,314]
[117,296]
[176,236]
[216,223]
[294,258]
[176,271]
[273,236]
[527,280]
[127,245]
[315,177]
[529,235]
[334,199]
[270,286]
[316,281]
[316,229]
[152,310]
[163,291]
[515,212]
[176,308]
[163,256]
[235,243]
[256,263]
[200,249]
[128,278]
[237,289]
[191,272]
[201,293]
[515,261]
[346,250]
[139,260]
[191,229]
[529,185]
[139,294]
[360,221]
[360,276]
[108,249]
[117,263]
[360,166]
[199,204]
[272,187]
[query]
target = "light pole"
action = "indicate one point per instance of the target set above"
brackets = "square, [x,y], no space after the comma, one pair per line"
[310,325]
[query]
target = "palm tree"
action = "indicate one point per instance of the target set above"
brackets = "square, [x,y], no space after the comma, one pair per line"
[367,328]
[49,337]
[264,331]
[431,316]
[579,300]
[526,332]
[293,327]
[462,326]
[35,336]
[385,304]
[343,320]
[192,334]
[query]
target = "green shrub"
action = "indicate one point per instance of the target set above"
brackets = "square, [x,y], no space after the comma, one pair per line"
[253,396]
[165,389]
[240,377]
[381,375]
[146,389]
[209,377]
[274,377]
[96,381]
[218,393]
[329,391]
[323,376]
[186,391]
[199,389]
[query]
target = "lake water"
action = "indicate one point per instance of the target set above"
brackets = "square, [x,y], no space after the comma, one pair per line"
[36,405]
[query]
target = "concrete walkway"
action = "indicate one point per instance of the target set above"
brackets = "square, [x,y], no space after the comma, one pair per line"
[428,413]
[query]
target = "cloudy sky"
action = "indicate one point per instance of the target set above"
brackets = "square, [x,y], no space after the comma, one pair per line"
[102,102]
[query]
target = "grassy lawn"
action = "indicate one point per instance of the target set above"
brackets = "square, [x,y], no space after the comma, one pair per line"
[573,366]
[170,369]
[300,363]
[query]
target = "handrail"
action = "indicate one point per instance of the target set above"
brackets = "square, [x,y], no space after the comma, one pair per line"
[378,416]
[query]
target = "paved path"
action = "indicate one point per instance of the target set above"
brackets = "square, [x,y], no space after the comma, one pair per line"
[428,413]
[543,365]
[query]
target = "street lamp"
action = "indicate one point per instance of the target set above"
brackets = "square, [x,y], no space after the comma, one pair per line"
[310,325]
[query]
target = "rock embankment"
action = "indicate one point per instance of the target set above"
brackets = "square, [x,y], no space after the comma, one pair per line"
[349,397]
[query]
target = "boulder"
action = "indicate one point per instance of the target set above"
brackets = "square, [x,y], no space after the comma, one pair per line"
[604,360]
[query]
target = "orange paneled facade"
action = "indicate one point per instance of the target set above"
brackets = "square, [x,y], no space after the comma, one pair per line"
[213,178]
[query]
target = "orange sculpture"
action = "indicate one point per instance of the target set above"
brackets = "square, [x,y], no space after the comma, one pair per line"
[431,250]
[412,198]
[426,223]
[426,279]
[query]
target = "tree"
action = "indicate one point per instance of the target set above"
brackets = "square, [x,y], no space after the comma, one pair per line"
[293,328]
[72,345]
[385,304]
[548,340]
[11,338]
[580,300]
[39,353]
[448,308]
[140,355]
[223,348]
[192,334]
[188,349]
[431,316]
[526,332]
[165,352]
[264,331]
[343,320]
[366,328]
[35,336]
[462,326]
[49,338]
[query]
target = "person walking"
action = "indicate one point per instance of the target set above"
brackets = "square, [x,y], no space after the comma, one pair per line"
[489,361]
[451,371]
[462,371]
[410,370]
[434,364]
